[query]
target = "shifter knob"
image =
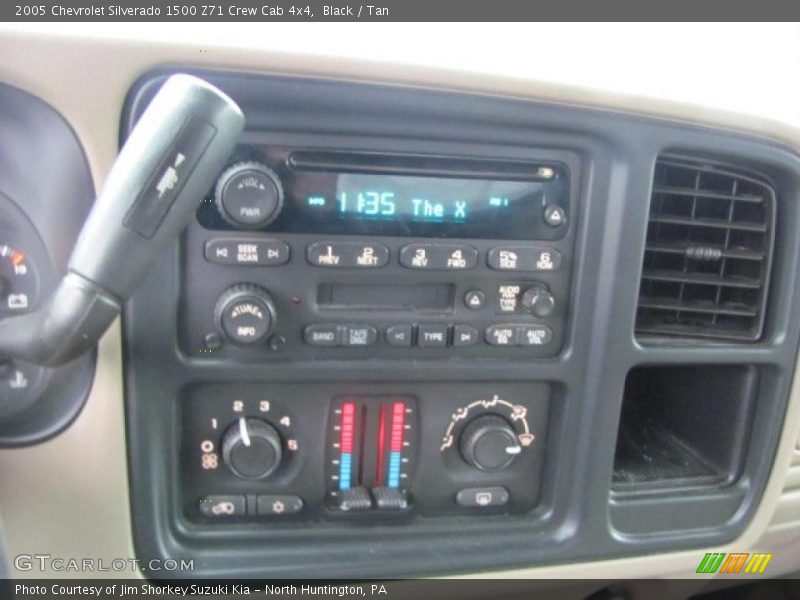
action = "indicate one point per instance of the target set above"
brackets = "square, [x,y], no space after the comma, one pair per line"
[163,171]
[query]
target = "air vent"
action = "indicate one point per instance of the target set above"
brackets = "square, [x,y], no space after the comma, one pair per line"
[708,253]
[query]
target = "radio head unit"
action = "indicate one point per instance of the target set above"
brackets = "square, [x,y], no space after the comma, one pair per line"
[306,254]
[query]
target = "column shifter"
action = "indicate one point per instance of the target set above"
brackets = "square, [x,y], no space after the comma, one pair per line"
[165,168]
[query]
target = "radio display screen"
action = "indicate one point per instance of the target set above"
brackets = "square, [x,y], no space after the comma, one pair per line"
[356,203]
[434,199]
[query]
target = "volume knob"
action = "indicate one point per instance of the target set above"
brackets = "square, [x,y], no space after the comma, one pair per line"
[251,448]
[245,313]
[249,195]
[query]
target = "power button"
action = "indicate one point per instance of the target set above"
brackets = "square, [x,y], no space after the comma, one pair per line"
[249,195]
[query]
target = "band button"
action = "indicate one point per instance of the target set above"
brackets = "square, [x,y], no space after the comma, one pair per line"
[322,335]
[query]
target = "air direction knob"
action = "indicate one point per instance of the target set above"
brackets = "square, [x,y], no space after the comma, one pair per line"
[489,443]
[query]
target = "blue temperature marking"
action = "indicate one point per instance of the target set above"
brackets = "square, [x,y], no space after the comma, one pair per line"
[394,470]
[316,200]
[345,470]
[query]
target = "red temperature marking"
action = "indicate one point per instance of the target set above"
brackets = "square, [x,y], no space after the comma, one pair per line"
[381,446]
[398,422]
[348,427]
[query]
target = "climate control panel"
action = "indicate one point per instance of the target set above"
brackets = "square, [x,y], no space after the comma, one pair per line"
[387,451]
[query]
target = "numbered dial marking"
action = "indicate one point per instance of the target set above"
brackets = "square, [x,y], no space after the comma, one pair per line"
[223,441]
[18,282]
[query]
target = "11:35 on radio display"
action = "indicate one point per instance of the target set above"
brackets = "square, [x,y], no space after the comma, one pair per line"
[422,199]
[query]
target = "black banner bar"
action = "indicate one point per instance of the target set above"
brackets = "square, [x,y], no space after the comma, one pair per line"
[244,11]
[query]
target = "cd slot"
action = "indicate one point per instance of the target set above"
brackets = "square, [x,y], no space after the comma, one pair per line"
[432,297]
[406,164]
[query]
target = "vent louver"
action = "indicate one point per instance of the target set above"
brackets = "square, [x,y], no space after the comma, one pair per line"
[708,253]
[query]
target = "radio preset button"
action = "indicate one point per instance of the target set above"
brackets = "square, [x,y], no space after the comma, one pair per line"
[524,258]
[399,335]
[347,255]
[465,335]
[322,335]
[262,253]
[432,335]
[439,257]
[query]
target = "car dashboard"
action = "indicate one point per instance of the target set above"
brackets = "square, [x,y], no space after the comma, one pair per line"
[426,322]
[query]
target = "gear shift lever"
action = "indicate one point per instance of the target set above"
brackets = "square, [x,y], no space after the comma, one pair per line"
[165,168]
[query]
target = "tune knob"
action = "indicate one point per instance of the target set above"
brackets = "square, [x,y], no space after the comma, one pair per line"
[249,195]
[251,448]
[489,443]
[245,313]
[539,301]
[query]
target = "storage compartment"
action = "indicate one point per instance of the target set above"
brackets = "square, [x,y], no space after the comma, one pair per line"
[683,426]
